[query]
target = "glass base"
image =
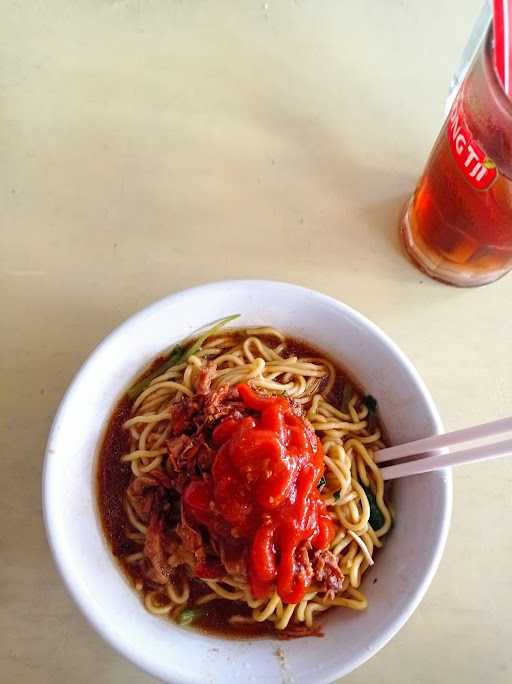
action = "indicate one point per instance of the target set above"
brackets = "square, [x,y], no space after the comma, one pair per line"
[436,265]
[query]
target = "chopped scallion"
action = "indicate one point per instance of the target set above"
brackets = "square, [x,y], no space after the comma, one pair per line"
[178,355]
[189,615]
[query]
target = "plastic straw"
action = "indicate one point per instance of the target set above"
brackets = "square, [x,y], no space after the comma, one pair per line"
[502,22]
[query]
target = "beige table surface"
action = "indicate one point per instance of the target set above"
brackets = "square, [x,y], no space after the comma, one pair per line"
[150,145]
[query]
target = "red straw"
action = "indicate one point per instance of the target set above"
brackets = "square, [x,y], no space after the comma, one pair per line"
[502,48]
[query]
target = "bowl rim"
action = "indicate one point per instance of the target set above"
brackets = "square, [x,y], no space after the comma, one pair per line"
[445,480]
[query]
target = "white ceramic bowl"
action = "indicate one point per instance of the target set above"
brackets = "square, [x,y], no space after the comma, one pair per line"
[404,568]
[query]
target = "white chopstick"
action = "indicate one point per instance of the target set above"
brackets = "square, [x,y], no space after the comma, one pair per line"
[419,446]
[458,438]
[425,465]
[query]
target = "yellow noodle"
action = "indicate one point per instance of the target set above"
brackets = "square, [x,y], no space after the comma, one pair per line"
[207,598]
[273,603]
[137,537]
[153,607]
[151,465]
[338,425]
[139,453]
[134,557]
[355,604]
[342,544]
[348,447]
[175,596]
[229,358]
[151,418]
[265,331]
[300,613]
[311,609]
[262,348]
[282,622]
[252,602]
[224,593]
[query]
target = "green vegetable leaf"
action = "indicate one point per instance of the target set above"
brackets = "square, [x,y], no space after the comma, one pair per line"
[189,615]
[178,355]
[202,338]
[376,516]
[172,360]
[371,404]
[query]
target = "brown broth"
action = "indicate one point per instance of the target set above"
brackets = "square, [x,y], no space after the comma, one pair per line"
[216,615]
[113,477]
[113,480]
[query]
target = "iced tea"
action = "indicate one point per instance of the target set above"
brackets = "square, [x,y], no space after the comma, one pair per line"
[458,225]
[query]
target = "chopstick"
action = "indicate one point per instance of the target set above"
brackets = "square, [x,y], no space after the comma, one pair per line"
[419,446]
[458,438]
[425,465]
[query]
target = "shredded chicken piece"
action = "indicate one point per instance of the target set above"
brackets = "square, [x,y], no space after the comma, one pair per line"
[206,375]
[141,492]
[234,560]
[327,572]
[159,569]
[303,562]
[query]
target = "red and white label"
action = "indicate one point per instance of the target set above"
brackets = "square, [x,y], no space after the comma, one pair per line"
[478,169]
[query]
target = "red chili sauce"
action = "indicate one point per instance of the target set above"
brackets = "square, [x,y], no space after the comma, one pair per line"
[263,488]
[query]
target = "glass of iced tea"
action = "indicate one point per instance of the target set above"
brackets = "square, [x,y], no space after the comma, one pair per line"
[457,226]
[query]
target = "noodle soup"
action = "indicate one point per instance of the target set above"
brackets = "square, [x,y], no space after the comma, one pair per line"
[237,485]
